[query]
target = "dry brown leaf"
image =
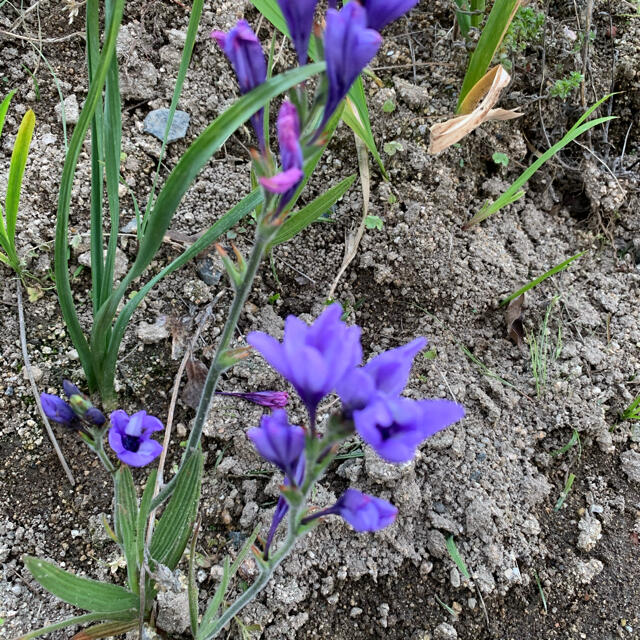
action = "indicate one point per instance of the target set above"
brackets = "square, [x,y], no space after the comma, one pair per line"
[515,327]
[477,108]
[196,376]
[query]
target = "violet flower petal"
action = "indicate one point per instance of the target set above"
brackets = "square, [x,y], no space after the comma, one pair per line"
[57,410]
[364,512]
[282,182]
[382,12]
[299,17]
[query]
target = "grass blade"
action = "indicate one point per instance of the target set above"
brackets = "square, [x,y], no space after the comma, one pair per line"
[457,558]
[494,30]
[125,522]
[539,279]
[565,492]
[16,172]
[4,107]
[515,191]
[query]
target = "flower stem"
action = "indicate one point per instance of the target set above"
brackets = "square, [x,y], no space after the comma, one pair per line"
[98,447]
[263,238]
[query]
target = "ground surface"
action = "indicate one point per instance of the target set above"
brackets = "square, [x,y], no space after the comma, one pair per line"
[491,480]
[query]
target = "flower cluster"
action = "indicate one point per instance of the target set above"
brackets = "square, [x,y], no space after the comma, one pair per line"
[324,358]
[78,413]
[350,40]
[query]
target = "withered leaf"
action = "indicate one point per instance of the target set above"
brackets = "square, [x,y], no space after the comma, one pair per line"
[196,375]
[515,327]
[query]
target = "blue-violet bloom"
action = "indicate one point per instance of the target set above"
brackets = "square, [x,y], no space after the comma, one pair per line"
[299,17]
[348,47]
[362,511]
[291,155]
[279,442]
[394,427]
[386,374]
[382,12]
[271,399]
[312,358]
[244,50]
[57,410]
[130,437]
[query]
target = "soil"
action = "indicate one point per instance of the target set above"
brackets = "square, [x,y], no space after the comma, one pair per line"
[492,481]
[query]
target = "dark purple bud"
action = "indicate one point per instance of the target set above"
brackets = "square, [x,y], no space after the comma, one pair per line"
[299,17]
[243,49]
[130,437]
[348,47]
[312,358]
[279,442]
[394,427]
[382,12]
[271,399]
[70,389]
[95,416]
[362,511]
[57,410]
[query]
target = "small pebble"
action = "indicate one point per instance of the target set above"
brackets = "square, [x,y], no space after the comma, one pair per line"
[156,122]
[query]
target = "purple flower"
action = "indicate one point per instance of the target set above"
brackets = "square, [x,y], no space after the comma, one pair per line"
[279,442]
[385,374]
[362,511]
[243,49]
[312,358]
[70,389]
[57,410]
[288,180]
[283,182]
[130,437]
[299,17]
[348,47]
[81,405]
[283,506]
[381,12]
[271,399]
[394,427]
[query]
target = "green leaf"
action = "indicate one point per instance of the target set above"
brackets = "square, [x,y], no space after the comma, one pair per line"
[125,521]
[174,527]
[500,158]
[209,618]
[358,117]
[373,222]
[515,191]
[63,286]
[69,622]
[83,593]
[457,558]
[4,107]
[188,167]
[143,514]
[311,212]
[16,171]
[493,32]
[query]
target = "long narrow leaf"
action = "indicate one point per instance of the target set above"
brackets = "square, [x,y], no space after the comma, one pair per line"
[515,191]
[4,107]
[229,570]
[70,622]
[125,521]
[174,527]
[63,285]
[535,282]
[16,172]
[106,630]
[493,32]
[309,214]
[143,514]
[83,593]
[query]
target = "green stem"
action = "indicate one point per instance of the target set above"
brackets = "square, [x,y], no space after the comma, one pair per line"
[218,366]
[98,447]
